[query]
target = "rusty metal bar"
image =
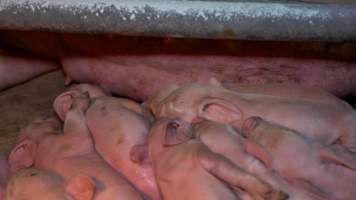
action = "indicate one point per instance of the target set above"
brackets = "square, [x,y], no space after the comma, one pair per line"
[260,20]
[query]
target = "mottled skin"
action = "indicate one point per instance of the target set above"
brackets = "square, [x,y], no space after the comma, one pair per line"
[186,169]
[326,119]
[324,171]
[69,153]
[224,140]
[116,125]
[37,184]
[4,175]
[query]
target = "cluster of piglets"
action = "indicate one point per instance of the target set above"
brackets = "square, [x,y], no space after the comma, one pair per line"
[189,142]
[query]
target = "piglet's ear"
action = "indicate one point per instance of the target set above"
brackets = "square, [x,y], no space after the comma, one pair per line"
[81,187]
[178,133]
[139,154]
[63,103]
[219,110]
[23,155]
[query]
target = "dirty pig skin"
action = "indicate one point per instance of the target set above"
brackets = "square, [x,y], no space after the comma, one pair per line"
[68,153]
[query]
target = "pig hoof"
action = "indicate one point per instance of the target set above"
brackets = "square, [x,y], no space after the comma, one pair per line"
[250,124]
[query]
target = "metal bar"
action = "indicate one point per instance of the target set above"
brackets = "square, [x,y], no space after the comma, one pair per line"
[260,20]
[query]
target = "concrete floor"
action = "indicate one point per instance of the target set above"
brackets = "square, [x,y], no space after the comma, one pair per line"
[21,104]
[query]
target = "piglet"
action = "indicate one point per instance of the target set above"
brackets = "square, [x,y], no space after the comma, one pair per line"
[327,120]
[186,169]
[117,125]
[37,184]
[43,145]
[227,141]
[325,172]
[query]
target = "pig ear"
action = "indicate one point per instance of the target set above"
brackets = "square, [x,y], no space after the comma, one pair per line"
[139,154]
[177,133]
[23,155]
[63,102]
[338,156]
[80,187]
[219,110]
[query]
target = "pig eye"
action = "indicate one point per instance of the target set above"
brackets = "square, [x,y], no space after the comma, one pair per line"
[33,174]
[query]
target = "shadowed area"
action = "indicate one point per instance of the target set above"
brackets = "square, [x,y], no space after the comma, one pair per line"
[23,103]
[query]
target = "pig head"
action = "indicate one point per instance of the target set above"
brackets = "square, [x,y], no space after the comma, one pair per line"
[37,184]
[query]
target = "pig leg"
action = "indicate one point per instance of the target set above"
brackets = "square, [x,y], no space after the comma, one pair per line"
[228,172]
[17,69]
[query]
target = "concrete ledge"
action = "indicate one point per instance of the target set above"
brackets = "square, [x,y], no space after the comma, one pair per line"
[292,21]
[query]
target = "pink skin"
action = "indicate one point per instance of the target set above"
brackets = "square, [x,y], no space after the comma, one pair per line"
[326,120]
[223,139]
[64,101]
[70,153]
[182,163]
[4,173]
[117,125]
[16,68]
[138,67]
[289,90]
[324,171]
[36,184]
[140,76]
